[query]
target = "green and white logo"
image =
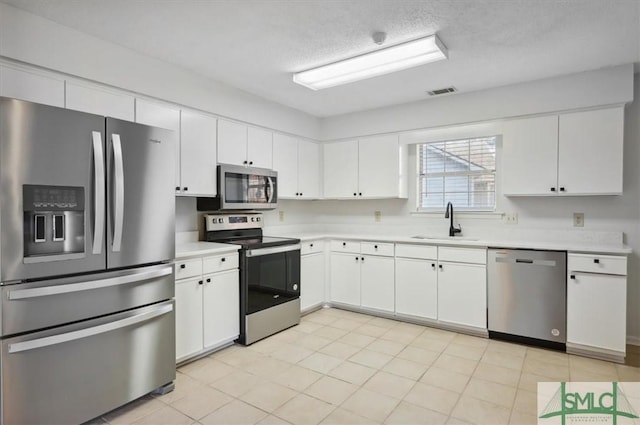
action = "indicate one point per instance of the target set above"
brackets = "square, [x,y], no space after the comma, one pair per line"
[588,403]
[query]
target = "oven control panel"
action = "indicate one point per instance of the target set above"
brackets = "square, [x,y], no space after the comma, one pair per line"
[232,221]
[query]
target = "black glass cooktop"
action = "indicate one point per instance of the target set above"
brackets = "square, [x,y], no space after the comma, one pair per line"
[262,242]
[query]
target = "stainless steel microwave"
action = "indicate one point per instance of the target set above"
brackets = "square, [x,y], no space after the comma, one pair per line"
[243,188]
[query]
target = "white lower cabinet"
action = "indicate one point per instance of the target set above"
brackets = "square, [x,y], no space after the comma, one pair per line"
[417,287]
[345,278]
[462,294]
[311,280]
[377,283]
[207,306]
[596,304]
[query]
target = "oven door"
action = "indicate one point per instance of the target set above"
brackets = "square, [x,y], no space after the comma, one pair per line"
[247,188]
[272,277]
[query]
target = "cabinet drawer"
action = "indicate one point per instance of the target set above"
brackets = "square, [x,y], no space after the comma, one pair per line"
[188,268]
[426,252]
[462,255]
[594,263]
[311,247]
[220,262]
[345,246]
[377,248]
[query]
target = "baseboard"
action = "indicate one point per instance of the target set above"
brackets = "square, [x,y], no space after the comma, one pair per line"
[633,340]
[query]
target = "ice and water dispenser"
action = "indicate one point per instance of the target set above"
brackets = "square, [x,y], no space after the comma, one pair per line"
[53,220]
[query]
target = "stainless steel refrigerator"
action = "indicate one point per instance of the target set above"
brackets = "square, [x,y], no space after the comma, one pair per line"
[86,243]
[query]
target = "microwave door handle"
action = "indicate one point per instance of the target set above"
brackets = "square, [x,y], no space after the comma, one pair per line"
[118,199]
[98,193]
[270,182]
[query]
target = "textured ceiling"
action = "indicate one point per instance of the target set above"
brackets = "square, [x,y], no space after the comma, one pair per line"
[256,45]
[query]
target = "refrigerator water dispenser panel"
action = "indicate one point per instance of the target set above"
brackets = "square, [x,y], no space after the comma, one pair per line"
[53,220]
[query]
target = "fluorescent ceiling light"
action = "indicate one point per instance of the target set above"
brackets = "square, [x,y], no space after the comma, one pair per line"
[379,62]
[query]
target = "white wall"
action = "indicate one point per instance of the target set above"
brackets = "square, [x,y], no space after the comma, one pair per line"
[37,41]
[601,87]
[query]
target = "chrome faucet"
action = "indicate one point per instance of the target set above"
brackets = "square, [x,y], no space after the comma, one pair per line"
[452,230]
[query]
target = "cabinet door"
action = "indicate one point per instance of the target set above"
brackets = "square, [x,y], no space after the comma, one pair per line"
[590,152]
[308,169]
[596,310]
[341,169]
[31,86]
[530,156]
[377,283]
[95,100]
[232,143]
[378,167]
[285,162]
[260,147]
[417,288]
[198,154]
[221,302]
[345,278]
[311,280]
[462,294]
[164,116]
[188,317]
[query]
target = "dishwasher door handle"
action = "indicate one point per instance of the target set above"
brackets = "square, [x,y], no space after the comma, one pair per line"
[529,261]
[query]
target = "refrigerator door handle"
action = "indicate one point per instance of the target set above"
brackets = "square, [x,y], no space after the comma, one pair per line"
[98,193]
[84,333]
[118,221]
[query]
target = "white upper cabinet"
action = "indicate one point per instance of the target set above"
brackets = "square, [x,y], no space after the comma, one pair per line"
[285,162]
[530,156]
[577,153]
[240,144]
[341,169]
[163,116]
[372,167]
[197,154]
[590,152]
[298,165]
[31,86]
[260,147]
[96,100]
[308,169]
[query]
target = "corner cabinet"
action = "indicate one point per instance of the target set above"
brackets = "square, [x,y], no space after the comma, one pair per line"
[570,154]
[597,305]
[371,167]
[298,165]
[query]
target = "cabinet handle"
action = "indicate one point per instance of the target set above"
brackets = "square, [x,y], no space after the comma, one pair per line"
[573,276]
[310,245]
[297,194]
[362,259]
[440,266]
[185,188]
[562,189]
[355,194]
[244,162]
[344,244]
[360,193]
[375,247]
[223,259]
[182,266]
[433,265]
[596,260]
[300,193]
[553,189]
[178,188]
[357,258]
[200,282]
[250,162]
[209,280]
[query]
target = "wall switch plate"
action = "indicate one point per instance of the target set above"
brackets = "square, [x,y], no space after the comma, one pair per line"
[377,215]
[510,218]
[281,215]
[578,219]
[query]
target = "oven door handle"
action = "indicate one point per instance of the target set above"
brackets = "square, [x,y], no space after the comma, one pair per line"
[274,250]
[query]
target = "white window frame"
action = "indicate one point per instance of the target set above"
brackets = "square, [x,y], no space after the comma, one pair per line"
[441,209]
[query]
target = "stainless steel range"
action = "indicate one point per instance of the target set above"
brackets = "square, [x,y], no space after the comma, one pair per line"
[269,274]
[86,236]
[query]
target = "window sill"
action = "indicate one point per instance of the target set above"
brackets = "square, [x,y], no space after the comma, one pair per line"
[486,215]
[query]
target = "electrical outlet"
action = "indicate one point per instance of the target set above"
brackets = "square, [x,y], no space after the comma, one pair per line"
[578,219]
[281,215]
[377,215]
[511,218]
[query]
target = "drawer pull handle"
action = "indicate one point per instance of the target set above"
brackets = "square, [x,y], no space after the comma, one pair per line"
[433,265]
[344,244]
[357,258]
[362,259]
[223,259]
[596,260]
[200,282]
[375,246]
[311,245]
[209,280]
[573,276]
[440,266]
[183,266]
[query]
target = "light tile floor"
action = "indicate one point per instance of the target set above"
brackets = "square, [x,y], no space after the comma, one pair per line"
[339,367]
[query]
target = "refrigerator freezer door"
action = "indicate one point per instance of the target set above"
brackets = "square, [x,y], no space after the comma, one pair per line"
[140,194]
[49,181]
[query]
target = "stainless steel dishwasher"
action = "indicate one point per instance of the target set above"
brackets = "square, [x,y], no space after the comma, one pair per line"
[527,296]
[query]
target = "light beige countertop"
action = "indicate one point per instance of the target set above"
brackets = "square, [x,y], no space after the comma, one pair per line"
[194,249]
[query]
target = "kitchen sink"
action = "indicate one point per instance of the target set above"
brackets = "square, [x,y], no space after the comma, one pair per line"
[443,238]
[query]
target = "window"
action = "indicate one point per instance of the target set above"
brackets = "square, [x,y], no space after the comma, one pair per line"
[459,171]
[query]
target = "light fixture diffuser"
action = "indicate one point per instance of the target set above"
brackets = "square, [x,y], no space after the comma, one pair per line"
[379,62]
